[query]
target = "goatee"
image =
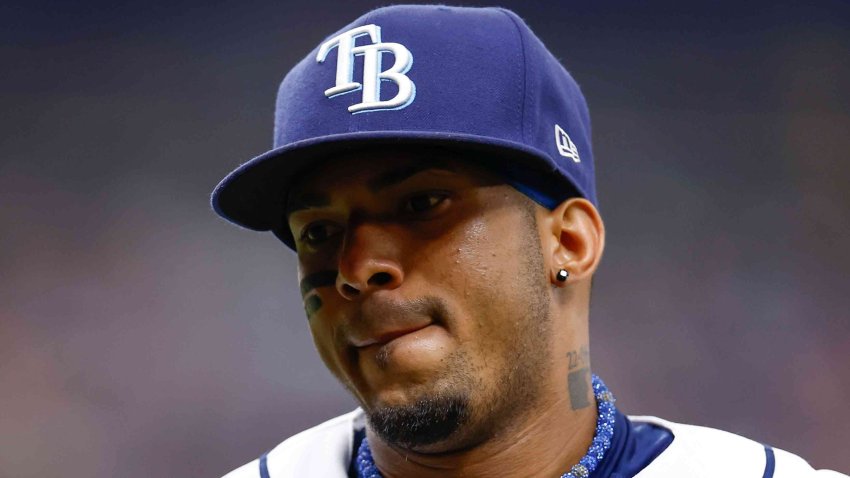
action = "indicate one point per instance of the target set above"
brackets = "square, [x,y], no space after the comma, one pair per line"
[424,422]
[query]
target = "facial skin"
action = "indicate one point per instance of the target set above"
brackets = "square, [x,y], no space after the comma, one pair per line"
[430,295]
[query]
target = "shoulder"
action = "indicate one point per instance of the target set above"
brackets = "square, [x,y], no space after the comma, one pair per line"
[322,451]
[706,452]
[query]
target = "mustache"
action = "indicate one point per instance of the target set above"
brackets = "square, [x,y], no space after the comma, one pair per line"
[429,306]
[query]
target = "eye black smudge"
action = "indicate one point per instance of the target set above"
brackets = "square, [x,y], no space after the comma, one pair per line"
[317,279]
[312,305]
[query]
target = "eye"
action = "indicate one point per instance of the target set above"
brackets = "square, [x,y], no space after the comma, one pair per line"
[424,202]
[318,232]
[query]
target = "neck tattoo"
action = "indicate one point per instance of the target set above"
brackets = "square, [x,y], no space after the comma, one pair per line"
[595,453]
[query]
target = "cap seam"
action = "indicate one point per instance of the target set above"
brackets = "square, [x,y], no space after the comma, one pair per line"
[524,74]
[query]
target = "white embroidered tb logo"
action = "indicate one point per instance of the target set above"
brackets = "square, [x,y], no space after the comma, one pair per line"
[373,75]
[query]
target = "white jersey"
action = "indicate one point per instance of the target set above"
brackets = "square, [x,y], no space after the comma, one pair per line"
[325,451]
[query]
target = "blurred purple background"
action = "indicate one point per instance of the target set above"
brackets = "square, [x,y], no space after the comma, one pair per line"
[142,336]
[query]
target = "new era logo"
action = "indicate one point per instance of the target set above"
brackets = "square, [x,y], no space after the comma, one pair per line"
[566,147]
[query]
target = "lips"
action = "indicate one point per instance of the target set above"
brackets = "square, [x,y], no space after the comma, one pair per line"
[383,337]
[382,320]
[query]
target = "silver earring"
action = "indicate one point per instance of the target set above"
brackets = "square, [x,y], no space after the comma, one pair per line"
[563,274]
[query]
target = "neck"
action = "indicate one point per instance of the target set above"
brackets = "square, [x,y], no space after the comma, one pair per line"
[546,441]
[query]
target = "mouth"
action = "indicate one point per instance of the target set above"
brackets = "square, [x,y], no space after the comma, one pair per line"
[394,333]
[385,338]
[401,349]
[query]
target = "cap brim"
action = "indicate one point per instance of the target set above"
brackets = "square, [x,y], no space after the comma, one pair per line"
[254,194]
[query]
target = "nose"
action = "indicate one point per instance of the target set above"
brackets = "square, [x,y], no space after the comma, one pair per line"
[368,261]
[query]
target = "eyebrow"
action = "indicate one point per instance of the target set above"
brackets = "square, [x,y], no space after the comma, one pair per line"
[306,201]
[376,184]
[395,176]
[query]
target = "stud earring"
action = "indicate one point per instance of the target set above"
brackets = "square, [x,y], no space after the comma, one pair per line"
[563,274]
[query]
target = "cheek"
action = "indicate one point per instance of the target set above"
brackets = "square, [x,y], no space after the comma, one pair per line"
[322,339]
[486,257]
[478,253]
[324,320]
[326,346]
[312,263]
[488,282]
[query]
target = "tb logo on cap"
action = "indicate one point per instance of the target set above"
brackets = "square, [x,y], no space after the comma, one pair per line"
[373,75]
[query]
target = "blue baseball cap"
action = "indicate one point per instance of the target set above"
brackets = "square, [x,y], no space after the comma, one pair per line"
[475,80]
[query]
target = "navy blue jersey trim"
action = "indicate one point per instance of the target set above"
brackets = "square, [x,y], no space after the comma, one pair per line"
[771,462]
[359,435]
[264,466]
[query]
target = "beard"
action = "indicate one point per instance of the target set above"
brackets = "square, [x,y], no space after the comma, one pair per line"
[427,421]
[460,410]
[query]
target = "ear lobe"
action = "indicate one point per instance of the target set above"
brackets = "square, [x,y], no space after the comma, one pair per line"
[577,239]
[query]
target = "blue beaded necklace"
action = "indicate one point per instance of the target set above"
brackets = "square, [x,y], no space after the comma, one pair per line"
[595,453]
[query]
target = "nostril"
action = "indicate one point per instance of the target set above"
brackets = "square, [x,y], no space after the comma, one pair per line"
[350,290]
[380,278]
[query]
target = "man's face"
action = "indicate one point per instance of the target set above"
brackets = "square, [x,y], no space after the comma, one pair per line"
[425,291]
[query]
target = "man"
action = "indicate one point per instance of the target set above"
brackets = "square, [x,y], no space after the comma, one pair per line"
[433,172]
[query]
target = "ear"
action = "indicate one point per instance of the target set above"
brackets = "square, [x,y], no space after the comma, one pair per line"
[574,239]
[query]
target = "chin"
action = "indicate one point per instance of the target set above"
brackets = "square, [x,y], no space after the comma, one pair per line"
[422,422]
